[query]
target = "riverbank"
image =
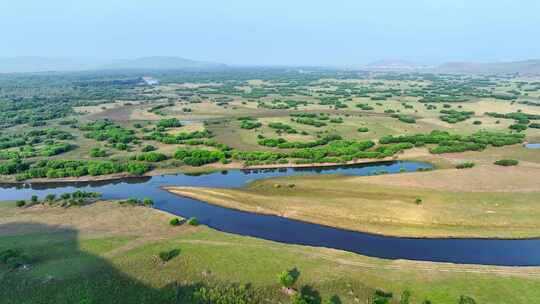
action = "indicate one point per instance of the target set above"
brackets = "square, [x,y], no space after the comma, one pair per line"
[483,202]
[95,252]
[207,169]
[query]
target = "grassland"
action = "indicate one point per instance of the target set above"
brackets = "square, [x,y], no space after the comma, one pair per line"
[486,201]
[216,104]
[105,253]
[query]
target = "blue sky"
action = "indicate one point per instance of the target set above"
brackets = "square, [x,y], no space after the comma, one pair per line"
[274,32]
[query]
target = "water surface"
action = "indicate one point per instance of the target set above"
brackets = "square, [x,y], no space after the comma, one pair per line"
[467,251]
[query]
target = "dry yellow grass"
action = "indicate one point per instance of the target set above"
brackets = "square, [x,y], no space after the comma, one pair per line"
[94,220]
[487,201]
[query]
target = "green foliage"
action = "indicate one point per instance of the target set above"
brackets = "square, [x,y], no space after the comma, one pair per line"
[106,130]
[288,278]
[57,148]
[20,203]
[152,157]
[198,157]
[365,106]
[454,116]
[404,118]
[175,221]
[311,119]
[166,256]
[465,165]
[405,297]
[249,123]
[169,123]
[98,152]
[281,127]
[506,162]
[456,143]
[363,129]
[466,300]
[13,258]
[193,221]
[180,138]
[148,148]
[56,168]
[381,297]
[284,144]
[222,294]
[518,127]
[148,202]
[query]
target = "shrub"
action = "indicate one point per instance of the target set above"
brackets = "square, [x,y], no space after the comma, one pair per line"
[175,221]
[148,202]
[506,162]
[466,300]
[363,129]
[382,297]
[465,165]
[166,256]
[169,123]
[50,197]
[148,148]
[34,199]
[152,157]
[193,221]
[288,278]
[20,203]
[97,152]
[418,201]
[13,258]
[333,300]
[198,157]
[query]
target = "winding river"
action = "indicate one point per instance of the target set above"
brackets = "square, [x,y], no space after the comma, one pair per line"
[465,251]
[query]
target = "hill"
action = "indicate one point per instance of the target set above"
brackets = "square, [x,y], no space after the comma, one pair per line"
[43,64]
[511,67]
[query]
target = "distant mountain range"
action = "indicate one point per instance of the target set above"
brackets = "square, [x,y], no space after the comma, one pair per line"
[42,64]
[395,64]
[510,67]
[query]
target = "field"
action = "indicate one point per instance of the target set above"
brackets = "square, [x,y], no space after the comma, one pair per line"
[91,254]
[293,118]
[98,126]
[481,202]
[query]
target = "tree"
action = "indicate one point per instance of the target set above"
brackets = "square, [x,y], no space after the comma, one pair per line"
[466,300]
[288,278]
[148,201]
[34,199]
[332,300]
[193,221]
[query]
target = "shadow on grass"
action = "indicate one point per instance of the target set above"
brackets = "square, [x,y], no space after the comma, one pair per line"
[59,272]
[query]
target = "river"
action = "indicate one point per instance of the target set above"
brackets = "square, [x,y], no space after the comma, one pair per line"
[464,251]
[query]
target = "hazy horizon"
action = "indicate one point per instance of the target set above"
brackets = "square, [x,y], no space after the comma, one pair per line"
[311,33]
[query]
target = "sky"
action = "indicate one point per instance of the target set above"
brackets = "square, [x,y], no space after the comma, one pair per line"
[276,32]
